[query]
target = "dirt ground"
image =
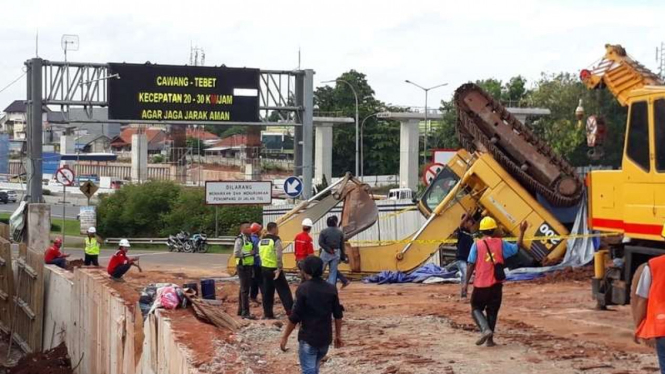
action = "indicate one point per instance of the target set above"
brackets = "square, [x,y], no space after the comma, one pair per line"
[544,327]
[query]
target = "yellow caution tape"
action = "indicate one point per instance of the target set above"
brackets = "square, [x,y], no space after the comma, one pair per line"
[454,241]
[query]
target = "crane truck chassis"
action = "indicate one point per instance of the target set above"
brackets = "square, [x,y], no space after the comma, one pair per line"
[629,201]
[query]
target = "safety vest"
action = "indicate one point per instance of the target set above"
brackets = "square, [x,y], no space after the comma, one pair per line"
[653,326]
[484,267]
[247,247]
[267,253]
[91,246]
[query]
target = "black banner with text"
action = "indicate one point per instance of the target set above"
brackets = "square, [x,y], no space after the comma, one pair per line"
[183,93]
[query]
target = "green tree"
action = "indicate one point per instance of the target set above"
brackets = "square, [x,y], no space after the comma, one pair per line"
[163,208]
[380,137]
[560,93]
[515,90]
[492,86]
[195,144]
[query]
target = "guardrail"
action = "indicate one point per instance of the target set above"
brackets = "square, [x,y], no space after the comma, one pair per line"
[222,240]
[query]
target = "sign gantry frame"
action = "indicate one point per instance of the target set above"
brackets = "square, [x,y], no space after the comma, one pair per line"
[285,99]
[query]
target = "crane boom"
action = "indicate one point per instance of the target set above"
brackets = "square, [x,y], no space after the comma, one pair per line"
[620,73]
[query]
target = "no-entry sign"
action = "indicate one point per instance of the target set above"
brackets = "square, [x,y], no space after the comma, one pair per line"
[431,171]
[65,176]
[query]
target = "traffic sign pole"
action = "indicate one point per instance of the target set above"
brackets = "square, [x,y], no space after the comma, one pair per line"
[64,203]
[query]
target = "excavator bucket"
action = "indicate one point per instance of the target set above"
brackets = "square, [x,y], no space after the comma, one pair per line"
[359,211]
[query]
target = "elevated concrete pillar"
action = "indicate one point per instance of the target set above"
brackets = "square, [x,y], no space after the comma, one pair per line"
[139,158]
[408,153]
[323,152]
[67,144]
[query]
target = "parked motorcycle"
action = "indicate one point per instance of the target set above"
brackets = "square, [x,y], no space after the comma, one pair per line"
[178,242]
[197,243]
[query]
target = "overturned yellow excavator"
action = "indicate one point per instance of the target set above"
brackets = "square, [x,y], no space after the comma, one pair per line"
[487,179]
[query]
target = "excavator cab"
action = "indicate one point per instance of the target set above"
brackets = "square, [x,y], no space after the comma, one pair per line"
[444,182]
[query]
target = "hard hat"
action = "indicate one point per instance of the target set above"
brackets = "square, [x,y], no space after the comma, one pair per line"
[487,223]
[57,241]
[307,222]
[255,227]
[92,230]
[124,243]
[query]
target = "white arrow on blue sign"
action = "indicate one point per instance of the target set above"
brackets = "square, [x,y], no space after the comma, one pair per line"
[293,187]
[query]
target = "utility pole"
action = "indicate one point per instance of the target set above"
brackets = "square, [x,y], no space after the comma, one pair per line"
[426,124]
[660,58]
[34,112]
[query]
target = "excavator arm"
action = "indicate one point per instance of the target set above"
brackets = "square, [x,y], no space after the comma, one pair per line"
[358,213]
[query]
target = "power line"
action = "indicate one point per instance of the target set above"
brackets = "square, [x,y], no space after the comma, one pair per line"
[14,81]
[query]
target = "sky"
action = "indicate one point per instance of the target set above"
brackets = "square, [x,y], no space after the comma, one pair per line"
[427,42]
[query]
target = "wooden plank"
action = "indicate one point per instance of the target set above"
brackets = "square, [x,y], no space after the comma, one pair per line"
[4,231]
[6,284]
[36,299]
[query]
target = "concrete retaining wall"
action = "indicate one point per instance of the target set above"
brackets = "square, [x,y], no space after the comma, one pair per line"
[104,333]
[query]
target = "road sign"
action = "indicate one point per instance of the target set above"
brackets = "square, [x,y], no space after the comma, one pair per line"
[87,218]
[293,187]
[88,188]
[238,193]
[183,93]
[431,171]
[65,176]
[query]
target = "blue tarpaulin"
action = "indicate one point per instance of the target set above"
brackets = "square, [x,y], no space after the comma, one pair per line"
[418,276]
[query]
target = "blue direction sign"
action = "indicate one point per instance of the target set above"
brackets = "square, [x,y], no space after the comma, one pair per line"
[293,187]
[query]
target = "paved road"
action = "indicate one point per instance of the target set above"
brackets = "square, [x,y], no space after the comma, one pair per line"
[71,211]
[166,260]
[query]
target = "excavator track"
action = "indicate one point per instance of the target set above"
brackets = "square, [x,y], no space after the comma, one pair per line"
[525,156]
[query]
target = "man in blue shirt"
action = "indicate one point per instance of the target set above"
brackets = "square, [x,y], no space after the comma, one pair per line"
[486,253]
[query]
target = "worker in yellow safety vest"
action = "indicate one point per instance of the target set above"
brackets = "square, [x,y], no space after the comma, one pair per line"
[91,248]
[244,252]
[270,251]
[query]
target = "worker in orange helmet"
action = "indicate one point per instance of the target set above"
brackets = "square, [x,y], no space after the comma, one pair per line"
[257,274]
[53,256]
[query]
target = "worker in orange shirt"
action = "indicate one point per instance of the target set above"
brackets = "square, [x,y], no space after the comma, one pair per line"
[304,245]
[649,315]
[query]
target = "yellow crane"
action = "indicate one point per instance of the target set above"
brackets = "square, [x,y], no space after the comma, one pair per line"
[629,201]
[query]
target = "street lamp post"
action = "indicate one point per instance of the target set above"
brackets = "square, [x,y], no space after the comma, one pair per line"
[426,127]
[355,95]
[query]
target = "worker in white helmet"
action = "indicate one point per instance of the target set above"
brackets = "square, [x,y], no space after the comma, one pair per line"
[119,263]
[91,248]
[304,245]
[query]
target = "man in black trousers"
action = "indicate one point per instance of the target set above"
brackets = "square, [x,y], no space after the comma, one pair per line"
[270,250]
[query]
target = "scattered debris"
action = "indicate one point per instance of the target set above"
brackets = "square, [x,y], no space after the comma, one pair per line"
[73,264]
[211,314]
[53,361]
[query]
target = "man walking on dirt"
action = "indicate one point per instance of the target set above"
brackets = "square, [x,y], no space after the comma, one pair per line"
[304,245]
[317,303]
[244,252]
[486,259]
[331,241]
[464,243]
[270,250]
[649,315]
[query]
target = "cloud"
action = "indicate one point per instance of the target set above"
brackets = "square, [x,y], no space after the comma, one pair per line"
[426,41]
